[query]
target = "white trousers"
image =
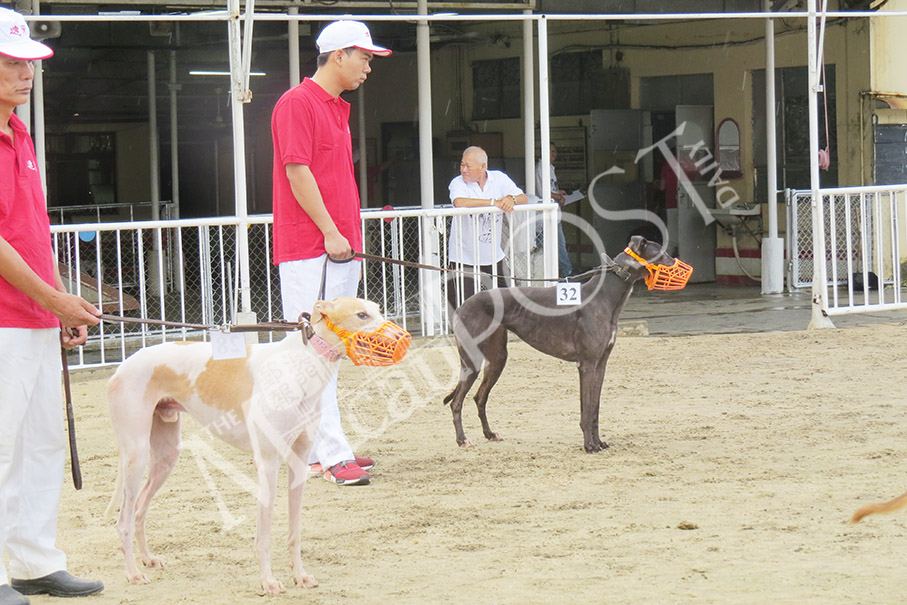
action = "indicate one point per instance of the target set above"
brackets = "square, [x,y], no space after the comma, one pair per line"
[32,452]
[300,283]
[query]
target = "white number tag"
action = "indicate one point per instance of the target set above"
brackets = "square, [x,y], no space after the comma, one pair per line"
[569,293]
[227,346]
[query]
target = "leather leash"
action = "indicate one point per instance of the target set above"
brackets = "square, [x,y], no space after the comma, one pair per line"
[71,424]
[406,263]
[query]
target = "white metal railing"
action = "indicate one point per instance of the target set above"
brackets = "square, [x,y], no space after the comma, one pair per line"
[187,271]
[863,235]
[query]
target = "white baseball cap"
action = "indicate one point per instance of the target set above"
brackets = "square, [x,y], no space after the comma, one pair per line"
[15,40]
[344,34]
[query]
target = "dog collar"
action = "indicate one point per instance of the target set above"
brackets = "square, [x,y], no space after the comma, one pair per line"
[324,349]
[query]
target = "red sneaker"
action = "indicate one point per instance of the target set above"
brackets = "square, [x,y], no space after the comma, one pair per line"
[365,463]
[347,473]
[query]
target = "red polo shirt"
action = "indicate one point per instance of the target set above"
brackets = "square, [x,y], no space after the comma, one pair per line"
[311,127]
[25,226]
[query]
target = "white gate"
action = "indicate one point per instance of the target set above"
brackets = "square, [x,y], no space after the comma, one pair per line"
[865,242]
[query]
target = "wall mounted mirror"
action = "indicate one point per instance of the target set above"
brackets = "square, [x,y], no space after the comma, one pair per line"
[727,149]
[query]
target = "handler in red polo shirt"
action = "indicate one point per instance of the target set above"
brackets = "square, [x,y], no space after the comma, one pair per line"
[33,306]
[316,209]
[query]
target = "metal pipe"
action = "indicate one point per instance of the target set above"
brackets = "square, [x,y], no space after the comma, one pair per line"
[174,140]
[772,246]
[771,134]
[293,33]
[549,245]
[238,97]
[529,105]
[820,280]
[363,159]
[153,142]
[429,281]
[38,134]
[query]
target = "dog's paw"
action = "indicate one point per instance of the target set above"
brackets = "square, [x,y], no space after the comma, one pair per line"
[137,578]
[272,585]
[305,581]
[152,562]
[466,443]
[494,437]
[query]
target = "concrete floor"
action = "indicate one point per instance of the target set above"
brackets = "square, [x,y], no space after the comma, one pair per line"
[717,309]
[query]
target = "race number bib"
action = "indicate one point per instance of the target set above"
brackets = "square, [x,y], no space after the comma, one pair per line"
[569,293]
[227,345]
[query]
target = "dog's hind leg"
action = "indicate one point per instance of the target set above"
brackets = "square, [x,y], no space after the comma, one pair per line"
[495,350]
[468,374]
[591,377]
[297,473]
[133,461]
[165,450]
[131,422]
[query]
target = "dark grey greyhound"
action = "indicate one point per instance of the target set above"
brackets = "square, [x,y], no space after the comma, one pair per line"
[583,333]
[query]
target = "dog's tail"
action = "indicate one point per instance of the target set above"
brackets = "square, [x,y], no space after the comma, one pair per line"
[115,500]
[883,507]
[449,398]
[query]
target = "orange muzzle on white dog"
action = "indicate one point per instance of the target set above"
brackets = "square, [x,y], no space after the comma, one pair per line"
[385,346]
[664,277]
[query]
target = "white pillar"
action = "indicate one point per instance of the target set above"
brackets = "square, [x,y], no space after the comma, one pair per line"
[772,245]
[238,98]
[293,32]
[38,134]
[153,142]
[820,279]
[529,105]
[429,281]
[174,140]
[549,245]
[363,159]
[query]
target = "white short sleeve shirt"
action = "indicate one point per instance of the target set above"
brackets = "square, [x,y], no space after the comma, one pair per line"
[477,239]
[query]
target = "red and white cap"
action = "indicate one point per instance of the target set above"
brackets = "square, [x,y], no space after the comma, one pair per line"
[15,40]
[344,34]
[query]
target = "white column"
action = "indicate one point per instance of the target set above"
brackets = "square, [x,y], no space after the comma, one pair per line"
[240,96]
[174,140]
[153,142]
[820,279]
[529,105]
[429,281]
[38,134]
[549,245]
[363,159]
[772,245]
[293,32]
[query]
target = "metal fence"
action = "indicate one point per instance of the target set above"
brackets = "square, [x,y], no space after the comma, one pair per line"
[187,271]
[863,236]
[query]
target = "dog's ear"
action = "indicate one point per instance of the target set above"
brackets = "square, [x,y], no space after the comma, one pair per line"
[607,261]
[636,244]
[321,310]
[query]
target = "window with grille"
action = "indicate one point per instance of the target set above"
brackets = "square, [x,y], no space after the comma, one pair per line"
[496,89]
[580,84]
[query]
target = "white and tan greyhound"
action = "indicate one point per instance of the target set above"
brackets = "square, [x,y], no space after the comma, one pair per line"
[268,403]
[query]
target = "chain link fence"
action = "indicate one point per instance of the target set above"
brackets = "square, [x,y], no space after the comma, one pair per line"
[188,272]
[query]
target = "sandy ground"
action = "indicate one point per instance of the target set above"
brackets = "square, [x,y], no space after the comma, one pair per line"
[735,463]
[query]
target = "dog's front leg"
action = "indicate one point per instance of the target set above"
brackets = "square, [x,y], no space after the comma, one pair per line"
[298,472]
[267,465]
[591,376]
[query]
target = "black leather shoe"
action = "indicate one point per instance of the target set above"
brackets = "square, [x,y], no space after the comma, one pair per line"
[11,596]
[58,584]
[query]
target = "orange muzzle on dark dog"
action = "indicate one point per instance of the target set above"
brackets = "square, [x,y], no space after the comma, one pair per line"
[664,277]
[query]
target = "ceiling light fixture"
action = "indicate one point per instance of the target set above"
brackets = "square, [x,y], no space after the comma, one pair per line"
[200,72]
